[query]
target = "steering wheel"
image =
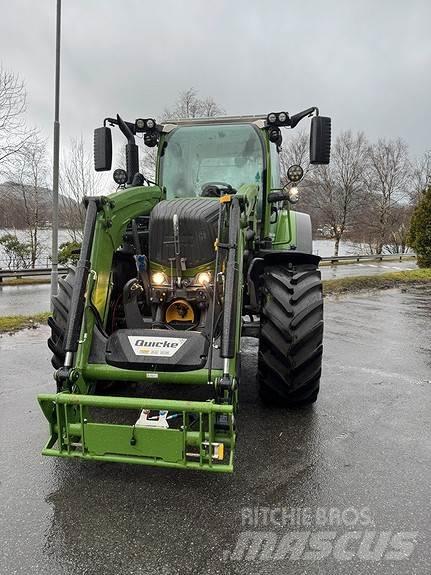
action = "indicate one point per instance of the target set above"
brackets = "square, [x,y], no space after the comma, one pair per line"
[212,189]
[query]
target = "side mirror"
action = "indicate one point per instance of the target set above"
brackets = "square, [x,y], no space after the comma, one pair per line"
[102,149]
[320,140]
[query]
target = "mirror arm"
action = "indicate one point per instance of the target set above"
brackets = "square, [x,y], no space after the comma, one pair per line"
[294,120]
[125,128]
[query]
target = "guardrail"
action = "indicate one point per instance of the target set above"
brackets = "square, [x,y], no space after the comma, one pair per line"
[370,257]
[326,259]
[28,272]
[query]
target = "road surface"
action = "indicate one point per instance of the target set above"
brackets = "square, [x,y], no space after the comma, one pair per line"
[353,469]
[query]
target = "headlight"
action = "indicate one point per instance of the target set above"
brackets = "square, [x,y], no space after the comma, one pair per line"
[158,279]
[203,278]
[293,195]
[271,118]
[282,117]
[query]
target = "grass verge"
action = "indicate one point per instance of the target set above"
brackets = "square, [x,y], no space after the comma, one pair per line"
[11,323]
[381,281]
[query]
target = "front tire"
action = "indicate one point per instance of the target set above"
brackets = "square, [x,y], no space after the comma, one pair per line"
[58,321]
[291,335]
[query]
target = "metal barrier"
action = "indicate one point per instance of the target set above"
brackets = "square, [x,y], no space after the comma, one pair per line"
[370,257]
[28,272]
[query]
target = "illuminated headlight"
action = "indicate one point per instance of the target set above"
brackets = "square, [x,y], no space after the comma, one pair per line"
[203,278]
[158,279]
[293,195]
[282,117]
[272,118]
[120,176]
[295,173]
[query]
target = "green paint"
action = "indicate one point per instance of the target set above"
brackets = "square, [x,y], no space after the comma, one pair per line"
[104,372]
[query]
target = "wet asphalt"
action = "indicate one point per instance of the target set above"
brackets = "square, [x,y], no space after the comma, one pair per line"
[364,447]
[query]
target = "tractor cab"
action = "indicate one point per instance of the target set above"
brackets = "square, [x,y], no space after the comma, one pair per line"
[192,157]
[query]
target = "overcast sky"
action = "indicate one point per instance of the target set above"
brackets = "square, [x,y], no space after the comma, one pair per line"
[366,63]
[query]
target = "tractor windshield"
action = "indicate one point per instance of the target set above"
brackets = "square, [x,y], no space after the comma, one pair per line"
[197,155]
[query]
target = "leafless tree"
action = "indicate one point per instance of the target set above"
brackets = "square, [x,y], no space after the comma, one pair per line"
[29,182]
[13,131]
[187,105]
[387,180]
[190,105]
[421,176]
[77,180]
[148,162]
[337,190]
[399,225]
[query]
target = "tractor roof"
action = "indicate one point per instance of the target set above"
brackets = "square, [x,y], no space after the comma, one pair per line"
[259,121]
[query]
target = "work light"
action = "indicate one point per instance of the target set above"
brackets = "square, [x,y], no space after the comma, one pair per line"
[143,124]
[282,117]
[120,176]
[295,173]
[274,135]
[272,118]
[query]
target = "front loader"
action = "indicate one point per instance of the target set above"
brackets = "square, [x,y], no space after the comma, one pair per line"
[146,329]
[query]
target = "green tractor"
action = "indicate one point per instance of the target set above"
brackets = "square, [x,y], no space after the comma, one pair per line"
[146,330]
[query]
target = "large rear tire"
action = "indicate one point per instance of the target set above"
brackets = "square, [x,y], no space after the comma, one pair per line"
[58,321]
[291,335]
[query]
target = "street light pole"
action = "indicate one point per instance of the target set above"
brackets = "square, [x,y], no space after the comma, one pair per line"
[56,152]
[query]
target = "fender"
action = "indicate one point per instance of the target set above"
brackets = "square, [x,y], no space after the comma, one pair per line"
[266,258]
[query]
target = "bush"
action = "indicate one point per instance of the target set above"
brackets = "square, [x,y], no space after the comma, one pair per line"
[69,253]
[420,230]
[17,253]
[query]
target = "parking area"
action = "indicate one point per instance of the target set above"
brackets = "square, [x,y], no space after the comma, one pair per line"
[361,455]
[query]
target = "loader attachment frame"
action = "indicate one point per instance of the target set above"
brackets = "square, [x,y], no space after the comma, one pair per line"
[201,434]
[195,443]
